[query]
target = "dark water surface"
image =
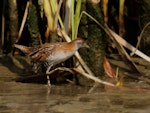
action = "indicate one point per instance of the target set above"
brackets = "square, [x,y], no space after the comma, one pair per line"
[34,98]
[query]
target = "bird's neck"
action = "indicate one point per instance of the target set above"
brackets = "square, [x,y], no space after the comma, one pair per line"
[73,45]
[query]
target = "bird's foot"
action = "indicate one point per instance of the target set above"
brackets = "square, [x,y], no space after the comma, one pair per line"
[61,69]
[65,69]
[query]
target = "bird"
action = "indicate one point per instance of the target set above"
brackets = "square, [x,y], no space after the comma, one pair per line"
[51,54]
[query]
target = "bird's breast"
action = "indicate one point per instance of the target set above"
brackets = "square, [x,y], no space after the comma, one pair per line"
[59,57]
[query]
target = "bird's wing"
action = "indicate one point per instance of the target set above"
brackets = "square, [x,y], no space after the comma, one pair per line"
[26,50]
[43,52]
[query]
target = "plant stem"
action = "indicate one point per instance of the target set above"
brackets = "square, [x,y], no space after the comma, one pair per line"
[77,17]
[72,19]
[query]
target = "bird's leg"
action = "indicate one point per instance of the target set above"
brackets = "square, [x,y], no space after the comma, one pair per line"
[48,81]
[64,69]
[47,73]
[61,69]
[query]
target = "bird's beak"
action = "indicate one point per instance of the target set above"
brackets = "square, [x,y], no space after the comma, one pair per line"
[85,45]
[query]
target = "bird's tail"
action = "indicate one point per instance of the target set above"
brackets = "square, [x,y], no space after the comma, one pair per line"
[26,50]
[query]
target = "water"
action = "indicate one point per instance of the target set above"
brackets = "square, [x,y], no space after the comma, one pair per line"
[17,97]
[34,98]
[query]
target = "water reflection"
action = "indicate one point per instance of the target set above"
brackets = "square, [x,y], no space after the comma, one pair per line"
[18,97]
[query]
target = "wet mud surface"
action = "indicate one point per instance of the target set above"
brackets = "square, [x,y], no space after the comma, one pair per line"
[17,97]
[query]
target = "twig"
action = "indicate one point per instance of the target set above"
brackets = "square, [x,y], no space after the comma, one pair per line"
[23,21]
[139,39]
[67,19]
[92,77]
[121,50]
[3,25]
[94,87]
[129,46]
[57,15]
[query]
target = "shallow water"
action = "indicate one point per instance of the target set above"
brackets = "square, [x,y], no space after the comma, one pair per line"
[17,97]
[34,98]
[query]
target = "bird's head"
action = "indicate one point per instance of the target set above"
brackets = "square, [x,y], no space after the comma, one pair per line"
[80,43]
